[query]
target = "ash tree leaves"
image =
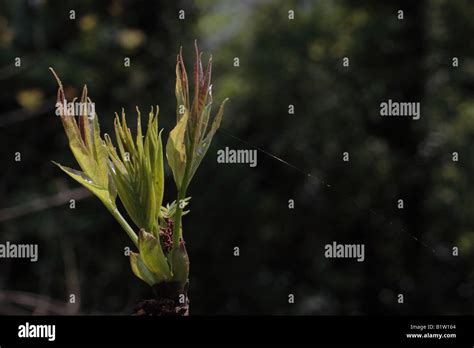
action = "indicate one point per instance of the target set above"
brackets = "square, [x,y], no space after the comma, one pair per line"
[176,150]
[150,264]
[138,171]
[134,170]
[141,271]
[152,255]
[88,148]
[206,140]
[188,143]
[190,139]
[91,154]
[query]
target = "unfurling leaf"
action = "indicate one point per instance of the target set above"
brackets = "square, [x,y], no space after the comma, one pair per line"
[87,147]
[190,139]
[137,170]
[169,210]
[134,170]
[101,192]
[141,271]
[182,88]
[152,256]
[204,144]
[176,150]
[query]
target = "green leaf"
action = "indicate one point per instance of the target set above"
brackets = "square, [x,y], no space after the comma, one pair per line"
[101,192]
[91,153]
[203,146]
[141,271]
[182,87]
[127,192]
[101,157]
[158,173]
[85,142]
[138,171]
[169,210]
[153,256]
[176,151]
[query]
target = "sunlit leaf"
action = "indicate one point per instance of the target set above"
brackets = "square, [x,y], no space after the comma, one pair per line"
[137,170]
[152,256]
[182,88]
[101,192]
[203,146]
[176,151]
[86,144]
[141,271]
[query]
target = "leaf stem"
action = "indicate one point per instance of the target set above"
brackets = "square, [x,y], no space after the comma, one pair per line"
[120,219]
[177,233]
[179,211]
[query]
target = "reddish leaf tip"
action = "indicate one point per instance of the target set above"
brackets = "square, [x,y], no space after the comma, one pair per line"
[56,77]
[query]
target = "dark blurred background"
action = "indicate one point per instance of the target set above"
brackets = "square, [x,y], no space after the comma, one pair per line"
[282,62]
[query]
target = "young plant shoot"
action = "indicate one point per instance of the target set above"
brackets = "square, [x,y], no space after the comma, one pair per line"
[132,168]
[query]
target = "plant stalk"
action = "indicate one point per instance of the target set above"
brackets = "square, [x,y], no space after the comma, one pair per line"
[181,195]
[128,229]
[179,210]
